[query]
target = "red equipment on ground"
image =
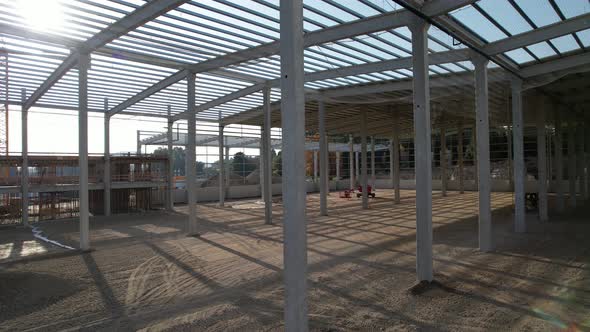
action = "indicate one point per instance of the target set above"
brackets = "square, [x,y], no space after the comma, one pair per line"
[370,192]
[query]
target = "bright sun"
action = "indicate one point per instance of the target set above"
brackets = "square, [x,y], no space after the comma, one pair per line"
[41,14]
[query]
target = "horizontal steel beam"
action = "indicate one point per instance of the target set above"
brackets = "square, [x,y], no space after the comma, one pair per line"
[355,28]
[136,18]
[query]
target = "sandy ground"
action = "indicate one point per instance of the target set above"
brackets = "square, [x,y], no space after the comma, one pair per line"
[144,274]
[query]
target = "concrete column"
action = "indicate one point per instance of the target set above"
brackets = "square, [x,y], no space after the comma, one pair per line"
[373,176]
[391,179]
[483,152]
[267,157]
[170,175]
[443,161]
[338,156]
[138,142]
[364,182]
[571,157]
[227,170]
[351,158]
[422,146]
[558,143]
[510,159]
[460,154]
[580,156]
[323,159]
[191,157]
[587,149]
[519,166]
[294,188]
[396,158]
[107,160]
[83,66]
[357,166]
[25,164]
[221,175]
[542,163]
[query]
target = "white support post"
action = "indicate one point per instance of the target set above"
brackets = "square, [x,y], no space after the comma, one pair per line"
[107,159]
[25,163]
[587,150]
[227,169]
[365,196]
[221,175]
[558,145]
[266,158]
[294,187]
[323,159]
[373,176]
[357,165]
[542,163]
[170,175]
[422,147]
[580,156]
[483,152]
[191,157]
[83,66]
[138,142]
[571,157]
[338,156]
[391,179]
[460,154]
[519,166]
[351,158]
[396,158]
[443,161]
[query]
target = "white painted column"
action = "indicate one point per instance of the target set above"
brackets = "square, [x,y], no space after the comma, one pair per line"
[571,157]
[396,158]
[391,174]
[294,188]
[25,163]
[221,175]
[542,163]
[170,175]
[373,176]
[228,171]
[267,157]
[83,66]
[558,145]
[580,156]
[483,152]
[460,154]
[338,157]
[587,150]
[323,159]
[191,157]
[443,161]
[519,166]
[364,182]
[422,146]
[138,142]
[351,161]
[107,160]
[357,166]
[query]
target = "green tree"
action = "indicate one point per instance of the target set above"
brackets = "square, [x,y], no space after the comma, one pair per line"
[277,164]
[179,159]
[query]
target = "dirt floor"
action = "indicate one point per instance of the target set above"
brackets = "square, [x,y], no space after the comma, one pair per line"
[145,274]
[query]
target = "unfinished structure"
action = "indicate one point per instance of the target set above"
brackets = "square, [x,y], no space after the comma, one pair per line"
[463,95]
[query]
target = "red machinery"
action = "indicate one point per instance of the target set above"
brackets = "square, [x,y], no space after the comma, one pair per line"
[370,192]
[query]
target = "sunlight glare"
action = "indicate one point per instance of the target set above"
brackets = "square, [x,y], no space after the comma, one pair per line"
[41,15]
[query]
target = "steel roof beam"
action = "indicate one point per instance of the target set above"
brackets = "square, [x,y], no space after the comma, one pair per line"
[376,23]
[136,18]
